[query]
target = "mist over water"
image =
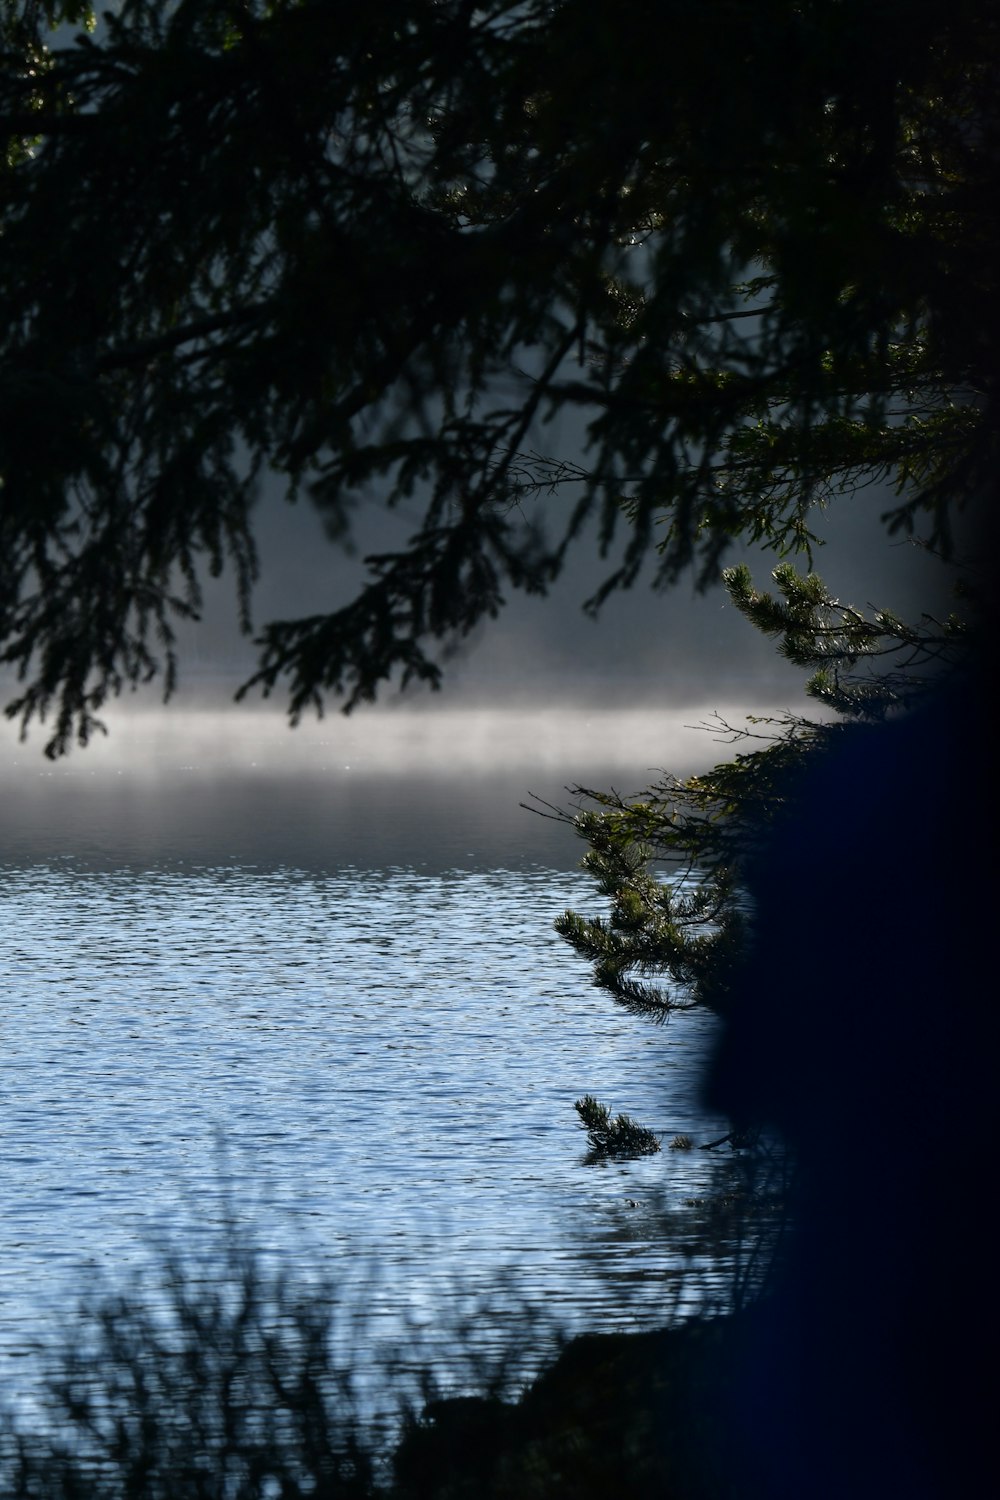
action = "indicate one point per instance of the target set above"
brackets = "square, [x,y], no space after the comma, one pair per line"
[423,789]
[395,740]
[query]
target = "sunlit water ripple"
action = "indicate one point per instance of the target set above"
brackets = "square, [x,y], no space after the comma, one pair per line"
[371,1071]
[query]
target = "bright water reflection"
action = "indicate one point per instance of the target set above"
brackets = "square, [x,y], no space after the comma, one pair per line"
[245,976]
[388,1058]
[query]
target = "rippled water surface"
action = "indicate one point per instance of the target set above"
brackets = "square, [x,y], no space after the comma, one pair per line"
[366,1063]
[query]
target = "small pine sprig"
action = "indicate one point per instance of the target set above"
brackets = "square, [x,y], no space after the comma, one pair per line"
[620,1136]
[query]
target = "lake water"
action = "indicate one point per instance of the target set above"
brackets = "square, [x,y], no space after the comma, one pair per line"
[330,1008]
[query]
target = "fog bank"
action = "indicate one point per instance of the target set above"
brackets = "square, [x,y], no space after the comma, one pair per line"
[428,791]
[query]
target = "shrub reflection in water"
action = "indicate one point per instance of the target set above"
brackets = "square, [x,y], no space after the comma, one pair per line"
[238,1381]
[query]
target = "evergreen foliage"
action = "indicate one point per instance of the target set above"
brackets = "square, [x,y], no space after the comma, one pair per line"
[670,861]
[619,1135]
[373,251]
[899,660]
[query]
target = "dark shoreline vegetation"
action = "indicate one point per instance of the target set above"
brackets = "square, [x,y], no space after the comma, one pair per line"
[240,1383]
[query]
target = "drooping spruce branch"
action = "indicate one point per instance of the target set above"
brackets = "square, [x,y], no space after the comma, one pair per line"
[373,252]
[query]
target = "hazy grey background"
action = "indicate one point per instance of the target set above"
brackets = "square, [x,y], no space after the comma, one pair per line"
[650,648]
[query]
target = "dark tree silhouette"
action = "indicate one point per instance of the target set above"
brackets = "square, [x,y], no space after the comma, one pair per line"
[373,249]
[865,1031]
